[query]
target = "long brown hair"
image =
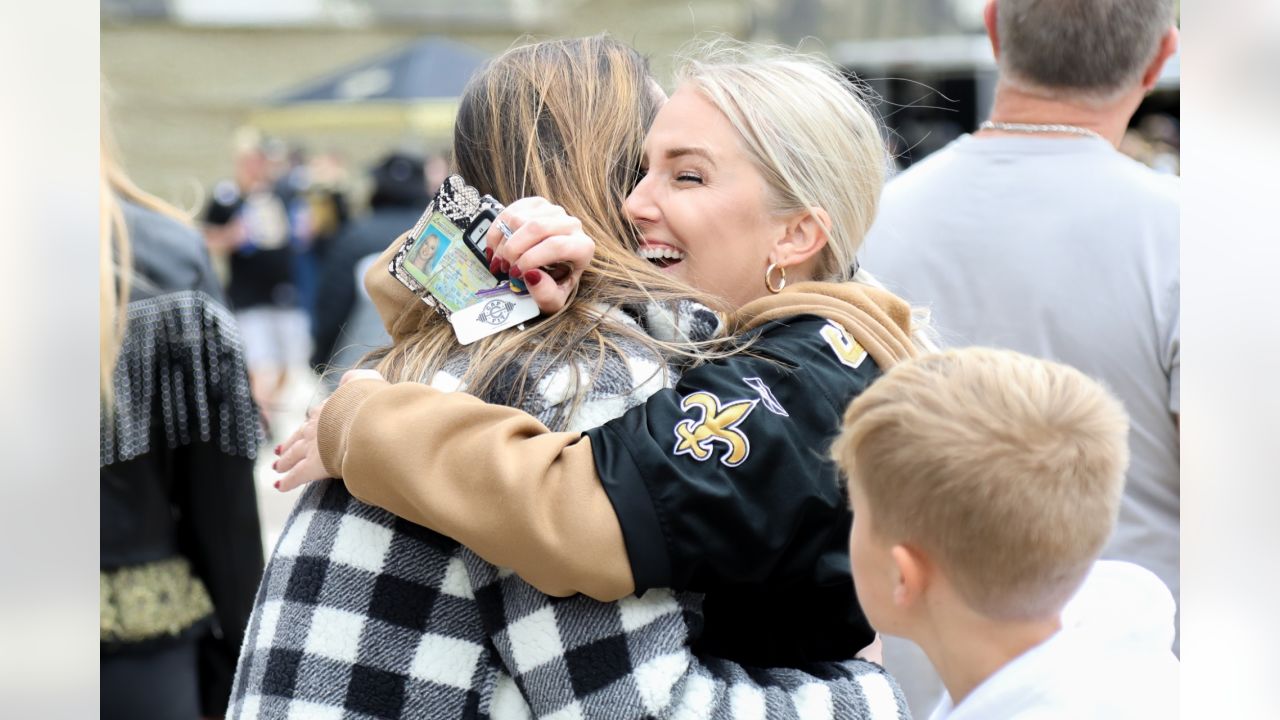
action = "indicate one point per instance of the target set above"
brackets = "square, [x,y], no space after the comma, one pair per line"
[115,255]
[566,120]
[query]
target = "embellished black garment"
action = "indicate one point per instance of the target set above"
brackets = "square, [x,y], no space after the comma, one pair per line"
[181,549]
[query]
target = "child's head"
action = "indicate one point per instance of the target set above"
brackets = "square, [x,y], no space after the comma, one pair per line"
[989,472]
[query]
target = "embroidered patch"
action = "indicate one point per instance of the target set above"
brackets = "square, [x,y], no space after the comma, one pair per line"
[766,396]
[718,424]
[847,351]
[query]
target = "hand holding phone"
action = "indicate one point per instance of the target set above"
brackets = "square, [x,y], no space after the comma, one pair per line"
[547,250]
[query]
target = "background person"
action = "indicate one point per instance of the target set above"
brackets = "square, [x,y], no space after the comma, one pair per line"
[247,222]
[399,196]
[181,551]
[1036,234]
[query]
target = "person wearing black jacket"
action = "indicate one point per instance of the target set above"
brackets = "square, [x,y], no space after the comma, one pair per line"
[721,485]
[181,548]
[400,192]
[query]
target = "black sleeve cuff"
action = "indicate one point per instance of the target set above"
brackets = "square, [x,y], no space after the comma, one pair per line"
[216,668]
[622,475]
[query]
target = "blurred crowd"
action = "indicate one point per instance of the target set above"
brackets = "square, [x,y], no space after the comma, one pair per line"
[1153,141]
[285,225]
[203,331]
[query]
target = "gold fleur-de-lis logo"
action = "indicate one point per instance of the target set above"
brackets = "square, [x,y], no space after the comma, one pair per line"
[718,424]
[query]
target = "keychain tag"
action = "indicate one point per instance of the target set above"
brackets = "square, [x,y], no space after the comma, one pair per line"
[492,314]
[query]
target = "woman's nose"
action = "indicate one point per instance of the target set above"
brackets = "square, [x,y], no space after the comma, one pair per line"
[639,205]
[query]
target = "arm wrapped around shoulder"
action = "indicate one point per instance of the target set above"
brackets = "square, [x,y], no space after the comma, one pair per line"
[489,476]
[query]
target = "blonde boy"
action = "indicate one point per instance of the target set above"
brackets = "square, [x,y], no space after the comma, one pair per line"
[984,485]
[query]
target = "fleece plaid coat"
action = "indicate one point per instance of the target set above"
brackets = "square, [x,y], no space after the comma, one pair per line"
[363,615]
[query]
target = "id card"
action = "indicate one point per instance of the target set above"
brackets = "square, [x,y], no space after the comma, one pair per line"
[442,262]
[492,314]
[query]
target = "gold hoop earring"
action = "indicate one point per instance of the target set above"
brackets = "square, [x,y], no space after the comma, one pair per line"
[768,278]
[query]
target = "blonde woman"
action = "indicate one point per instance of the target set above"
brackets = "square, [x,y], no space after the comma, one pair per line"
[361,612]
[181,552]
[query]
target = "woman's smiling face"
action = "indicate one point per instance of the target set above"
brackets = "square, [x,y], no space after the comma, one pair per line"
[702,206]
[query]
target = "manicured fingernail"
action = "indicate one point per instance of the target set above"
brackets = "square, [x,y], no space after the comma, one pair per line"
[488,254]
[533,277]
[274,464]
[277,484]
[515,271]
[506,266]
[278,447]
[495,266]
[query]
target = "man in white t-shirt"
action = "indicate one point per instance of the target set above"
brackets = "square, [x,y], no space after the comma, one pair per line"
[1036,234]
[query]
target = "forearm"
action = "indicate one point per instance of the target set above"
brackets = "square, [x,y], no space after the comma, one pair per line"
[489,476]
[655,632]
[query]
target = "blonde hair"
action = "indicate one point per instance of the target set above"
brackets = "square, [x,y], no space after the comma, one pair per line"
[1005,469]
[566,120]
[811,133]
[115,255]
[807,128]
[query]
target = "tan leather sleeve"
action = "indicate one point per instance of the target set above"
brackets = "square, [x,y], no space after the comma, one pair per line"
[489,476]
[401,311]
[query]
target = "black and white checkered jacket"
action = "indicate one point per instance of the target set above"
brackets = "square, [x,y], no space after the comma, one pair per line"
[364,615]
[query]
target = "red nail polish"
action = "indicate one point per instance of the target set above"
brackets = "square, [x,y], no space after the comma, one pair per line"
[506,266]
[515,271]
[533,277]
[277,484]
[278,449]
[488,254]
[495,266]
[274,464]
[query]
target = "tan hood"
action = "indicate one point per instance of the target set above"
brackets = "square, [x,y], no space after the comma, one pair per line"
[877,319]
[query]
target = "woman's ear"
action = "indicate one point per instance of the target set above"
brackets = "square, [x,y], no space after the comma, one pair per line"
[806,235]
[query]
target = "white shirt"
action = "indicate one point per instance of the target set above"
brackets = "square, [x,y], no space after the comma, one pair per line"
[1111,660]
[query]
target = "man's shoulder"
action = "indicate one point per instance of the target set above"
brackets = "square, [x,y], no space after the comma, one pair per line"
[1108,173]
[932,166]
[1145,183]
